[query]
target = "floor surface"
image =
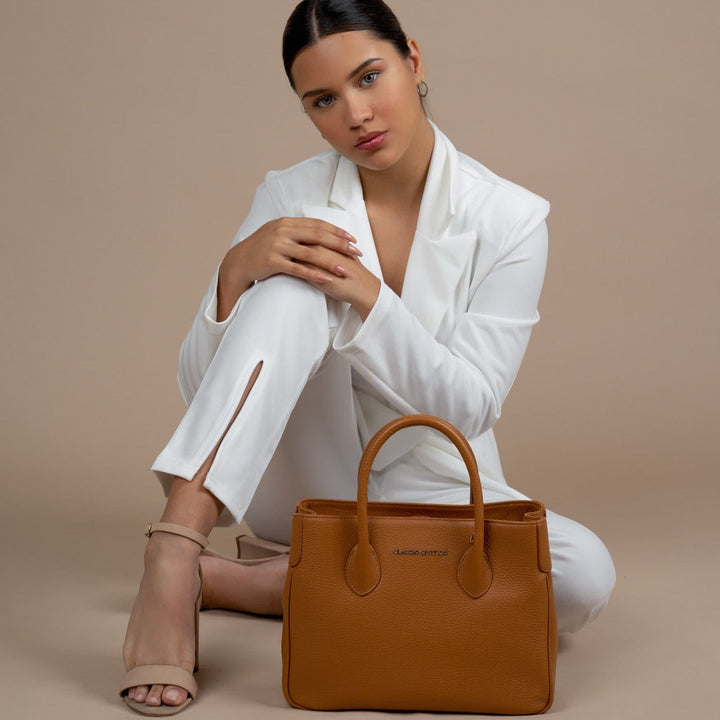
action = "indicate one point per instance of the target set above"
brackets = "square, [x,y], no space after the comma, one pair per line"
[69,588]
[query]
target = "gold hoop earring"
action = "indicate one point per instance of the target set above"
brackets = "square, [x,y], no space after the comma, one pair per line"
[422,89]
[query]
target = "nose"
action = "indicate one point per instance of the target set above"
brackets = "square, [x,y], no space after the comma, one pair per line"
[357,110]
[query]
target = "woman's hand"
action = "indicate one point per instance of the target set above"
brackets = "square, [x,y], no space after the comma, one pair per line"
[315,251]
[351,282]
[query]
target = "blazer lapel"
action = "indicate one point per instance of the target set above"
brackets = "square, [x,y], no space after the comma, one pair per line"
[437,277]
[439,256]
[438,271]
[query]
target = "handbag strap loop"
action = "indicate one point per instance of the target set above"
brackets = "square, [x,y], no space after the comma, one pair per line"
[363,568]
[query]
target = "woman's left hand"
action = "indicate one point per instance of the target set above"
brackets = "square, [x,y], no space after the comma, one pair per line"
[358,286]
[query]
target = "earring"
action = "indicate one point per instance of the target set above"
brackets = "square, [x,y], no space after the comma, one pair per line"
[422,89]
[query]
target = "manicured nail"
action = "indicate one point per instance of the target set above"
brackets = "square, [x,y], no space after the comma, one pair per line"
[355,250]
[350,237]
[322,278]
[341,270]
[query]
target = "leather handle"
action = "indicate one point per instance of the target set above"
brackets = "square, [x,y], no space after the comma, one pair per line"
[362,570]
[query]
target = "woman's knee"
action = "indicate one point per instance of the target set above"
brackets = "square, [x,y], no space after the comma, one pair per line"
[583,572]
[280,311]
[284,288]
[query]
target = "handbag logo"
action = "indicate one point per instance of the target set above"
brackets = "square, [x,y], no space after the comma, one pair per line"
[400,551]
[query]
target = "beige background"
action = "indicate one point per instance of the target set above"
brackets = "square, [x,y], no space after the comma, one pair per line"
[133,136]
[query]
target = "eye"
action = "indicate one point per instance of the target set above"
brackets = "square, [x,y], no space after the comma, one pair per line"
[372,75]
[319,102]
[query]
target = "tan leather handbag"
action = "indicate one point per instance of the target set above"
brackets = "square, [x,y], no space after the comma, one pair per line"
[419,606]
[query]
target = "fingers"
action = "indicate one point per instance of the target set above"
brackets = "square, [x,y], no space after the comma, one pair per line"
[312,231]
[312,273]
[316,249]
[321,258]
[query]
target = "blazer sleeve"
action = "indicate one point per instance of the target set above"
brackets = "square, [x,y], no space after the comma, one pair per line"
[205,334]
[466,380]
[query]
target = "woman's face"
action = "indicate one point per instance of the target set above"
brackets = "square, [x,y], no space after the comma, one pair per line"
[353,84]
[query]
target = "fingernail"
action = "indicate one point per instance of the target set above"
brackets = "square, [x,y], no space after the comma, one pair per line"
[322,278]
[355,250]
[340,269]
[350,237]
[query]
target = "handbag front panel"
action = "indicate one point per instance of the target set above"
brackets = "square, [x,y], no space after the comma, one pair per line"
[417,641]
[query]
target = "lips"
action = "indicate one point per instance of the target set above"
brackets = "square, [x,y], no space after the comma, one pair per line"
[367,138]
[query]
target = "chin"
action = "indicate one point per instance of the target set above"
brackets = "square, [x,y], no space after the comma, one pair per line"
[377,167]
[380,161]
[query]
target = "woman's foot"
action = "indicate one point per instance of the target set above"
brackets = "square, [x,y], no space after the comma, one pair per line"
[247,588]
[161,629]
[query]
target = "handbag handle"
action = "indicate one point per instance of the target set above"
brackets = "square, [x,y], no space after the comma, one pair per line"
[362,570]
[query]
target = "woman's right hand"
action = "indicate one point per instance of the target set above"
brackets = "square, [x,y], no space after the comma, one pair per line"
[285,245]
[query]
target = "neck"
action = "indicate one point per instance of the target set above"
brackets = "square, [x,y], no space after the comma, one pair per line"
[403,183]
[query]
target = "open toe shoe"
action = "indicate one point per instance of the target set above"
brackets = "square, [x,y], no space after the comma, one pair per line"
[167,674]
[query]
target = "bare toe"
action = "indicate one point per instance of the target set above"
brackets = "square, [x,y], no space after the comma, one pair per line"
[141,692]
[154,697]
[174,695]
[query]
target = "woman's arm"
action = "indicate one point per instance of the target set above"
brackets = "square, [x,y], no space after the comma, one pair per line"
[466,380]
[267,243]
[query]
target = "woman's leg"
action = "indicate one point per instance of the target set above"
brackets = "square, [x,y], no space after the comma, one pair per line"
[582,570]
[285,324]
[318,456]
[218,453]
[163,613]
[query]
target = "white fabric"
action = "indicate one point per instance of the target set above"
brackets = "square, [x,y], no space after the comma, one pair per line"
[450,346]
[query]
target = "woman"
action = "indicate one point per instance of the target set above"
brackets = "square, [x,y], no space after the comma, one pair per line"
[389,275]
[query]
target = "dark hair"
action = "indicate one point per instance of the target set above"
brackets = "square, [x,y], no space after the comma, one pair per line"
[315,19]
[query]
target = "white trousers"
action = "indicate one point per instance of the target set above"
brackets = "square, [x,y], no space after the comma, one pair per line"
[296,436]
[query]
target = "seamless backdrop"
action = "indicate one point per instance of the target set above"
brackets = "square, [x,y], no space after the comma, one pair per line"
[133,135]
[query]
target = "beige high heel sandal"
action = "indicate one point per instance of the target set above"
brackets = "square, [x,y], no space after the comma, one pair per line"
[167,674]
[252,550]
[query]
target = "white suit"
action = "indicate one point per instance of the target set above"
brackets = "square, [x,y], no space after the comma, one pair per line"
[450,346]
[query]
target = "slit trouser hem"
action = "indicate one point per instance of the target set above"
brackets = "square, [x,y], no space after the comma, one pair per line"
[233,513]
[169,470]
[244,443]
[191,439]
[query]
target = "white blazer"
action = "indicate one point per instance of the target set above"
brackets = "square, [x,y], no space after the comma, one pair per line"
[451,345]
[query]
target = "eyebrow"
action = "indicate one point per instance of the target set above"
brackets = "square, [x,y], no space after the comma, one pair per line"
[349,77]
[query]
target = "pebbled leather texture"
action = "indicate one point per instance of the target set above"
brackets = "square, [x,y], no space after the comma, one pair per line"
[419,607]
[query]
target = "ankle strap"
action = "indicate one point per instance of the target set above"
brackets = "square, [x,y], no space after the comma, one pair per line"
[168,527]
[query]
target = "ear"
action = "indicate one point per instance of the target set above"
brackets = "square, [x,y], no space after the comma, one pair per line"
[414,61]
